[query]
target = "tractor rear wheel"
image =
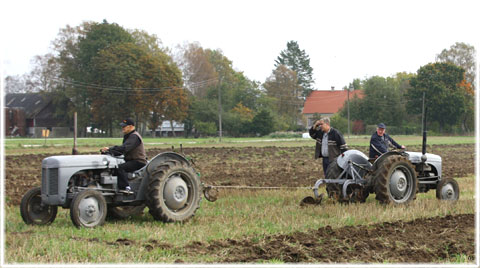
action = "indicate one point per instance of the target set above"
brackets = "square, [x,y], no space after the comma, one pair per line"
[174,192]
[33,211]
[447,189]
[395,181]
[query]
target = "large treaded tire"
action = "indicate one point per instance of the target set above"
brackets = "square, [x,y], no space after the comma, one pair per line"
[32,210]
[395,181]
[158,197]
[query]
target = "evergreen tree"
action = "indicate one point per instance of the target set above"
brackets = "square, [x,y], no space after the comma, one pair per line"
[298,61]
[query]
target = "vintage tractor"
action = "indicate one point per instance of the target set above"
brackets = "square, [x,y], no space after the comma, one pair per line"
[395,177]
[87,184]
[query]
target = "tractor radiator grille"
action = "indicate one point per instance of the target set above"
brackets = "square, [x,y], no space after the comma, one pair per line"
[44,180]
[50,181]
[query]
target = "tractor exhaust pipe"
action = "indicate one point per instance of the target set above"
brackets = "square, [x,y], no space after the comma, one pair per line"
[424,143]
[424,127]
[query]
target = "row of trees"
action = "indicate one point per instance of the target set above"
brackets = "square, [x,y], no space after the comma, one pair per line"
[105,73]
[398,101]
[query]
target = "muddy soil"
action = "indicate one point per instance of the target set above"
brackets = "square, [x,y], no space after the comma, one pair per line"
[426,240]
[252,166]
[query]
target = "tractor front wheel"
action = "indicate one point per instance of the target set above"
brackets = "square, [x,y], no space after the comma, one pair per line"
[33,211]
[447,189]
[395,181]
[88,209]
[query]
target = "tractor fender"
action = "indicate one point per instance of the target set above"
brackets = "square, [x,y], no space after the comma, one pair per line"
[384,156]
[152,166]
[162,157]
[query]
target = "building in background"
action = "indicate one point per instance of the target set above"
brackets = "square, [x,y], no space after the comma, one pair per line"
[165,129]
[325,103]
[27,114]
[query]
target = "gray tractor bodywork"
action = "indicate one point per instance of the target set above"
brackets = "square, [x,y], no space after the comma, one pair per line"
[353,176]
[87,184]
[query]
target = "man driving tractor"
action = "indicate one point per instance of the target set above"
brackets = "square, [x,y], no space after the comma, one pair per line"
[134,152]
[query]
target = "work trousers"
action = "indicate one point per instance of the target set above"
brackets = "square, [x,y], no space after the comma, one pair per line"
[325,163]
[123,169]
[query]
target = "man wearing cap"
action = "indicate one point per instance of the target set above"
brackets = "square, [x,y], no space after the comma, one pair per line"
[330,142]
[134,152]
[380,142]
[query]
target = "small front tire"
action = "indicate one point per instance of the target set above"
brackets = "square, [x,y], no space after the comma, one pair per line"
[447,189]
[33,211]
[88,209]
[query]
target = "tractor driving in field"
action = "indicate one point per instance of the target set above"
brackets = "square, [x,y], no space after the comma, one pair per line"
[87,184]
[395,177]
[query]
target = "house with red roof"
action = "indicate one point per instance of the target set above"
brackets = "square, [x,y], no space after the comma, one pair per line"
[326,103]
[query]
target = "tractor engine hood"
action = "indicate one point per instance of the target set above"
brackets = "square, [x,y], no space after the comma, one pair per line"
[415,157]
[81,161]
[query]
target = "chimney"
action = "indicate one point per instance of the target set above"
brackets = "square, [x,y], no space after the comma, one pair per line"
[333,88]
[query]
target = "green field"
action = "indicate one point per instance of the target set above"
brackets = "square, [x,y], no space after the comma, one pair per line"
[236,215]
[25,146]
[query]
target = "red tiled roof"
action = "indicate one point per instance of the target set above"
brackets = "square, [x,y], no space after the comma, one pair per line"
[327,101]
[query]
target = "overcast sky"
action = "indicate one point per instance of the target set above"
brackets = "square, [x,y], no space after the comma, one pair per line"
[344,39]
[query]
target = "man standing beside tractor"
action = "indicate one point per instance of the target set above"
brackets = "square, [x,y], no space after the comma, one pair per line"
[330,142]
[381,141]
[132,148]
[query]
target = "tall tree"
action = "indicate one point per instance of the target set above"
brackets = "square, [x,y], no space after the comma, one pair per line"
[175,105]
[15,84]
[283,87]
[445,91]
[383,101]
[462,55]
[77,63]
[198,72]
[110,72]
[297,60]
[45,73]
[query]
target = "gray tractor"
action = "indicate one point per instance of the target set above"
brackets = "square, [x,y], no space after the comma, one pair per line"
[395,177]
[87,184]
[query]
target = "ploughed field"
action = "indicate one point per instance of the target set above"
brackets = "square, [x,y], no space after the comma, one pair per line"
[249,166]
[423,240]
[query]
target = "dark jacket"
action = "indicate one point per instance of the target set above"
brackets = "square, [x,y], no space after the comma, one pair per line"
[379,146]
[336,143]
[132,148]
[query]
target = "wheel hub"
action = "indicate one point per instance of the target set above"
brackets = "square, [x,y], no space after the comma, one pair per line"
[175,193]
[398,184]
[89,210]
[448,193]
